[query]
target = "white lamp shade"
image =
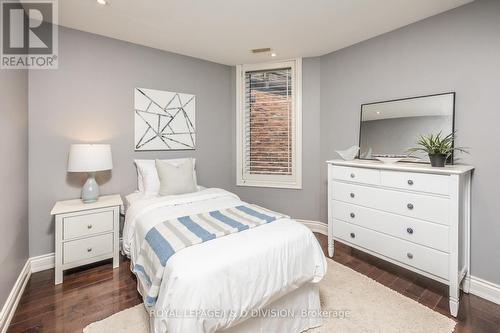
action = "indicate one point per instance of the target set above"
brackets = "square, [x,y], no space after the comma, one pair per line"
[89,158]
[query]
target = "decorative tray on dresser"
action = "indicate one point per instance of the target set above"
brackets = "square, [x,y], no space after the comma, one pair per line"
[410,214]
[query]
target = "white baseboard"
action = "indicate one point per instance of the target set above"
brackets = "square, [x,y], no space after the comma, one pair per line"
[485,289]
[43,262]
[33,265]
[315,226]
[10,306]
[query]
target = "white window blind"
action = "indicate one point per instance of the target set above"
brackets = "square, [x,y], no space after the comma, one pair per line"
[269,123]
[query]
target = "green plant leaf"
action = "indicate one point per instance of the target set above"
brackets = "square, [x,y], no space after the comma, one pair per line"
[437,144]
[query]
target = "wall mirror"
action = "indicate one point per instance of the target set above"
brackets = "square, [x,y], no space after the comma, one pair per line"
[392,127]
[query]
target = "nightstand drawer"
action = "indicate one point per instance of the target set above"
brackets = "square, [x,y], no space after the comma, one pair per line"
[88,224]
[87,248]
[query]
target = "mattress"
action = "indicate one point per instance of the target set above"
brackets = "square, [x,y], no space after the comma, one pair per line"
[238,273]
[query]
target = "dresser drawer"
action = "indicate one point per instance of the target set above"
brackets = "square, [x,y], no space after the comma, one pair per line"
[87,248]
[417,256]
[420,232]
[88,224]
[425,207]
[416,181]
[356,175]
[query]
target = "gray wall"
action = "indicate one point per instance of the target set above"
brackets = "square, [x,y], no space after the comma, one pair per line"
[90,99]
[304,203]
[13,177]
[455,51]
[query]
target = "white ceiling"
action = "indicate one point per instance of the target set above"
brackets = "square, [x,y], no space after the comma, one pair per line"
[225,31]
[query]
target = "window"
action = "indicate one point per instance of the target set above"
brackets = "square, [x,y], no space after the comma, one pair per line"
[269,125]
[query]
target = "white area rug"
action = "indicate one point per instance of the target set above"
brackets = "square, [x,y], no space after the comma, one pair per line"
[372,308]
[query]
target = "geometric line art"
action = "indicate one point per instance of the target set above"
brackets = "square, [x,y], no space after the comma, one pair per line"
[164,120]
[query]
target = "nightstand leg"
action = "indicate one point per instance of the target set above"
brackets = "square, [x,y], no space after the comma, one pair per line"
[59,276]
[116,238]
[59,250]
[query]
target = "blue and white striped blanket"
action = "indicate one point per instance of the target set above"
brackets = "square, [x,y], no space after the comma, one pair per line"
[166,238]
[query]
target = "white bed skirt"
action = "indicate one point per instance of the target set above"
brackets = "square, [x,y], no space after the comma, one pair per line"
[304,298]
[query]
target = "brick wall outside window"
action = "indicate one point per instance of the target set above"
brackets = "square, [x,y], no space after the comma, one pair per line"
[270,133]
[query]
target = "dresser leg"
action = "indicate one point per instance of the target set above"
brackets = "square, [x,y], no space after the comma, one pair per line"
[454,298]
[330,247]
[453,307]
[116,261]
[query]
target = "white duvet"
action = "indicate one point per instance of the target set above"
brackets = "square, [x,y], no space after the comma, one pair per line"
[211,286]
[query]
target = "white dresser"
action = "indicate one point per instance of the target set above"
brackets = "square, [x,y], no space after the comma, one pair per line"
[86,233]
[412,215]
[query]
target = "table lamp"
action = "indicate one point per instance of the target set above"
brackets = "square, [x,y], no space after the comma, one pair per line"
[90,158]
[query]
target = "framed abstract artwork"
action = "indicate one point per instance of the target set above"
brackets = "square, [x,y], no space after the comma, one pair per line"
[164,120]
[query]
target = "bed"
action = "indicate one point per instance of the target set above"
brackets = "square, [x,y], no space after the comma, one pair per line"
[260,280]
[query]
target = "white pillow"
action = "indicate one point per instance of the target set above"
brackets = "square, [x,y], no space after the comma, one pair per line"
[148,181]
[176,179]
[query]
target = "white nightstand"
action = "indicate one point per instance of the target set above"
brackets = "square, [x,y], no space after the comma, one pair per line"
[86,233]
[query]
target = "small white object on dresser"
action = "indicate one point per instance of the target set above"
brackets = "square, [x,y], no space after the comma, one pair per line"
[86,233]
[410,214]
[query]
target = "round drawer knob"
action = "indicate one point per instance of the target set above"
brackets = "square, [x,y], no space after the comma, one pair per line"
[410,231]
[89,249]
[353,235]
[410,182]
[352,195]
[89,226]
[409,255]
[410,206]
[353,175]
[352,215]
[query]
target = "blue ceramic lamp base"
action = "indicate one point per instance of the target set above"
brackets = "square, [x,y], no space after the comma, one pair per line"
[90,190]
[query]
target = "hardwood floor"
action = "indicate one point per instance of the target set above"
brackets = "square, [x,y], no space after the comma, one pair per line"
[98,291]
[87,295]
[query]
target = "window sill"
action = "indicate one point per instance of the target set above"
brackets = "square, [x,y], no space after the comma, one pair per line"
[267,184]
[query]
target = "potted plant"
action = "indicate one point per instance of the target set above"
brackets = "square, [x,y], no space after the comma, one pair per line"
[438,148]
